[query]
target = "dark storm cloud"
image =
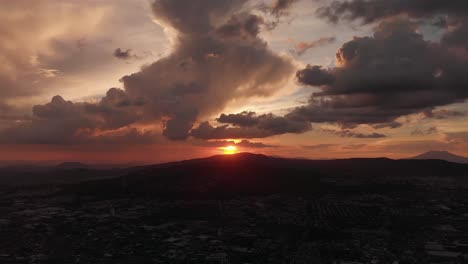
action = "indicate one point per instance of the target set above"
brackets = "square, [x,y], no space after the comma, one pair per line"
[457,35]
[380,78]
[314,75]
[250,125]
[223,143]
[302,47]
[217,57]
[373,10]
[452,15]
[442,114]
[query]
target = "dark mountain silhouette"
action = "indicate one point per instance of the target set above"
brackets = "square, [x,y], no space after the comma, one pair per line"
[441,155]
[239,173]
[245,173]
[71,166]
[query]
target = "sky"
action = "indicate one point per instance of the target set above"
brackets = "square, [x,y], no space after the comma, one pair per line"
[160,80]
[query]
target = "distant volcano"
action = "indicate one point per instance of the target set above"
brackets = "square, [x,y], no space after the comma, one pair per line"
[441,155]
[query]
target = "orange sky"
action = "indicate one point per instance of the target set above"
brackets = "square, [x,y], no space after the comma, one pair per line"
[172,86]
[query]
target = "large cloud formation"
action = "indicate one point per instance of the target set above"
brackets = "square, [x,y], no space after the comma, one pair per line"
[396,72]
[214,61]
[393,73]
[217,56]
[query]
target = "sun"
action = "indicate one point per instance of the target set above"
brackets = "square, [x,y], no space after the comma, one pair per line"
[229,150]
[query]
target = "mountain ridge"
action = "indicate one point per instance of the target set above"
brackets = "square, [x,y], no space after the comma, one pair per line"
[441,155]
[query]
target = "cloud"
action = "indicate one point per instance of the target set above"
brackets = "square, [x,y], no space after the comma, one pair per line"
[320,146]
[393,124]
[223,143]
[353,146]
[452,15]
[442,114]
[281,7]
[414,147]
[302,47]
[65,122]
[250,125]
[128,54]
[351,134]
[424,131]
[347,133]
[457,136]
[315,76]
[213,61]
[30,35]
[123,54]
[373,10]
[393,73]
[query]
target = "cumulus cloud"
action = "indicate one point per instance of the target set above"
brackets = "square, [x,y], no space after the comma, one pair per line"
[217,56]
[393,73]
[302,47]
[213,62]
[250,125]
[66,122]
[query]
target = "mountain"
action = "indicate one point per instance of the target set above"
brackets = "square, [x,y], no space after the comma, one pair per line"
[252,174]
[239,173]
[441,155]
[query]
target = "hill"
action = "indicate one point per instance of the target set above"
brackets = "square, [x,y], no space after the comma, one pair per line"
[441,155]
[247,173]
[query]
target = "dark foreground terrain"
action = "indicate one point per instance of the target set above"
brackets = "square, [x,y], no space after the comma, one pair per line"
[238,209]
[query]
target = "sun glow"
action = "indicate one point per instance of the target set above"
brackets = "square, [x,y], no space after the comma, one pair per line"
[229,150]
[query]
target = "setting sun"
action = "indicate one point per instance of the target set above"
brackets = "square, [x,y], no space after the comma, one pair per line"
[229,150]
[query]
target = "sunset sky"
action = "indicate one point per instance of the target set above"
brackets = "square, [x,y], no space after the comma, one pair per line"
[162,80]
